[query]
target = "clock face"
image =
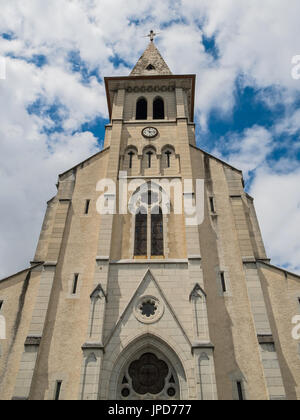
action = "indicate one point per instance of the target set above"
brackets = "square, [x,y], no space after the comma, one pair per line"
[150,132]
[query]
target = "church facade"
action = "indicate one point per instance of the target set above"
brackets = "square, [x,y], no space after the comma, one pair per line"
[144,304]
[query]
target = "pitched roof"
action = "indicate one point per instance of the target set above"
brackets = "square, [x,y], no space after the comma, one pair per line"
[151,63]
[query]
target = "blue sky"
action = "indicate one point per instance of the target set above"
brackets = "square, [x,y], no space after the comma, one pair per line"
[54,111]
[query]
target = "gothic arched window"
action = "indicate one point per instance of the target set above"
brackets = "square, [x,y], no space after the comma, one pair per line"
[141,109]
[158,109]
[157,232]
[140,241]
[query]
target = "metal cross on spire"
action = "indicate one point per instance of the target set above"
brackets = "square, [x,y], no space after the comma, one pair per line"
[152,35]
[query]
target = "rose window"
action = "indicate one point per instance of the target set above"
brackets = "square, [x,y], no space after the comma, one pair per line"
[148,309]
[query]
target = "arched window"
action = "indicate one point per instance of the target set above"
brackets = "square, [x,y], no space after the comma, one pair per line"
[158,109]
[149,229]
[141,109]
[149,158]
[140,242]
[149,155]
[130,158]
[130,155]
[157,233]
[168,155]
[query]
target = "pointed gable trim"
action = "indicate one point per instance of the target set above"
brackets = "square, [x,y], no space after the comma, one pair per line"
[196,289]
[97,293]
[148,272]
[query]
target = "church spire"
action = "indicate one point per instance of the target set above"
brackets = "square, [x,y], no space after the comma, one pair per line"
[151,62]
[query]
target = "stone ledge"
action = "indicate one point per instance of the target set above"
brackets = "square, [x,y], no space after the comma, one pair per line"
[203,345]
[50,264]
[92,346]
[20,399]
[153,261]
[249,260]
[33,341]
[102,258]
[265,339]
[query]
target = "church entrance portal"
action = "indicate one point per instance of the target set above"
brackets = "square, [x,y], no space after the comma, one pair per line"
[148,376]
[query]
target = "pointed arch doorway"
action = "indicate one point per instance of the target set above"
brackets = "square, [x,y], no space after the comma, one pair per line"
[150,376]
[148,369]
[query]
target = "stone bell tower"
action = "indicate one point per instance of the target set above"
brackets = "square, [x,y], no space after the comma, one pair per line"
[136,302]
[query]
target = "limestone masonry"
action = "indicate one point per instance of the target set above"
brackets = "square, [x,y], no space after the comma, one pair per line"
[146,306]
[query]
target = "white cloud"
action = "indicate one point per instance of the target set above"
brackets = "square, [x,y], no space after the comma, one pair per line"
[275,188]
[277,202]
[254,39]
[248,151]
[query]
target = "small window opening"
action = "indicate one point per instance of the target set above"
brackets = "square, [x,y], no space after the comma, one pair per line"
[141,109]
[1,304]
[240,390]
[149,197]
[150,67]
[87,206]
[149,154]
[57,390]
[75,284]
[168,154]
[130,154]
[212,204]
[172,380]
[158,109]
[223,282]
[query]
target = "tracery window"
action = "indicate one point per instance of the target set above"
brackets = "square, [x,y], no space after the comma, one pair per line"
[149,223]
[149,376]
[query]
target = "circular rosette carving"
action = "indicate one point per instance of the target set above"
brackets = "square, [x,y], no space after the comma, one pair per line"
[148,309]
[148,374]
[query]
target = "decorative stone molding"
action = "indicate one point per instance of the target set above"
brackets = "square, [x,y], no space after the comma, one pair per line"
[202,345]
[92,346]
[149,309]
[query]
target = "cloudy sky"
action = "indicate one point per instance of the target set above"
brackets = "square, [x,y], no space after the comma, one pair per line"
[53,105]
